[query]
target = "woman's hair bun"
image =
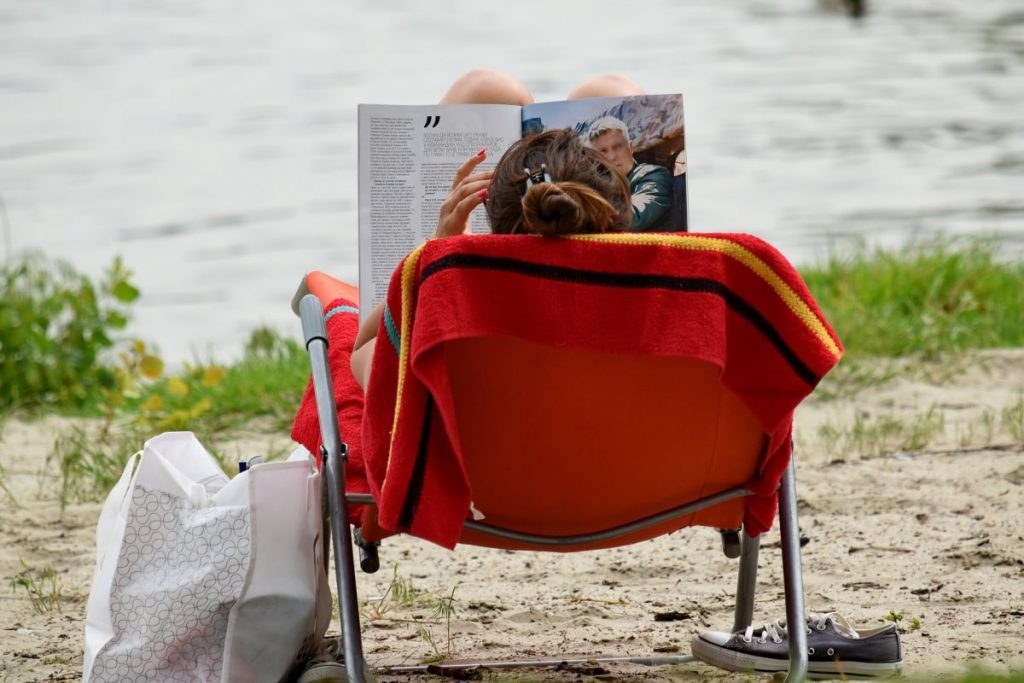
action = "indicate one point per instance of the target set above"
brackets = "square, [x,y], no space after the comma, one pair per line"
[566,208]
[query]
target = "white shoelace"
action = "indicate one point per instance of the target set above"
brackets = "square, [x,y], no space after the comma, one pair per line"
[776,630]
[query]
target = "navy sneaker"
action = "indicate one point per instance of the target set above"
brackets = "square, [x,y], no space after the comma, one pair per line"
[834,649]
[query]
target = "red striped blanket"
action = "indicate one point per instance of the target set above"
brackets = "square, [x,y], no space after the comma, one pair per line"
[731,300]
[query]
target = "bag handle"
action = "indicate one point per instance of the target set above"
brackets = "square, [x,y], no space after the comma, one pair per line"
[113,506]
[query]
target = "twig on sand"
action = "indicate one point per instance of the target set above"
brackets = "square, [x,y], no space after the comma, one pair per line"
[607,601]
[881,548]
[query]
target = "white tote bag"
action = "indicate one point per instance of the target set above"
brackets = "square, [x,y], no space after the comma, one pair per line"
[204,578]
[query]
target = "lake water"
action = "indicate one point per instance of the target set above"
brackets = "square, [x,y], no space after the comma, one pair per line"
[213,144]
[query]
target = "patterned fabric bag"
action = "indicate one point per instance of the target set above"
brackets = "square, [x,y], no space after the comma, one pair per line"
[204,578]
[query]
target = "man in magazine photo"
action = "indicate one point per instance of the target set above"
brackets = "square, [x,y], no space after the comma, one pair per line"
[650,184]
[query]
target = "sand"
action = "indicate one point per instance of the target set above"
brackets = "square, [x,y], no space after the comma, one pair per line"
[911,489]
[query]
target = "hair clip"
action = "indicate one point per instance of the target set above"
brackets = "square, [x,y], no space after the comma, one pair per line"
[541,175]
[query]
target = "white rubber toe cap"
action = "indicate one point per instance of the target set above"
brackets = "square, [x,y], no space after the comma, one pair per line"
[716,637]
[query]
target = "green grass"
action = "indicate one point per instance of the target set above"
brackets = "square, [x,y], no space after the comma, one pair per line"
[926,299]
[267,381]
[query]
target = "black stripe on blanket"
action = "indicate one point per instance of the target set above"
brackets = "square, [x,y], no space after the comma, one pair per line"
[415,490]
[631,281]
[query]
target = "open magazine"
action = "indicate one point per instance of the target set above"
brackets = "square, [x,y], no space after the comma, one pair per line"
[408,156]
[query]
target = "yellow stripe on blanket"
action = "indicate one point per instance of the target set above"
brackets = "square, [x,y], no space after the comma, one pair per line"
[408,280]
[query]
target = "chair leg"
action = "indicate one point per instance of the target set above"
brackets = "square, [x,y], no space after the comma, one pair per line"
[731,545]
[746,584]
[369,558]
[334,455]
[793,577]
[344,570]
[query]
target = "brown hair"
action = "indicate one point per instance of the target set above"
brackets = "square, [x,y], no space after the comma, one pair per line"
[586,194]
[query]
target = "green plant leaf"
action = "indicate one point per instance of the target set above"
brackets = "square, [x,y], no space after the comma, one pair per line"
[116,320]
[125,292]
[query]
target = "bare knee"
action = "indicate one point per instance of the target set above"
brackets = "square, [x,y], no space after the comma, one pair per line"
[606,85]
[486,86]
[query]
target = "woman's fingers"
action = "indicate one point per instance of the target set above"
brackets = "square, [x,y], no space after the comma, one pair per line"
[482,175]
[466,189]
[454,219]
[458,222]
[468,166]
[468,186]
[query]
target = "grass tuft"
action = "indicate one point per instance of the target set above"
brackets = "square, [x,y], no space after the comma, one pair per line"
[402,602]
[267,381]
[1013,420]
[43,586]
[871,436]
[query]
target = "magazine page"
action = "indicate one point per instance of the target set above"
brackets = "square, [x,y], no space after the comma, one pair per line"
[642,136]
[408,156]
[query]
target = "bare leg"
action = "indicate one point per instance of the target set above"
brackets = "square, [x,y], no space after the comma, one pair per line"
[486,86]
[606,85]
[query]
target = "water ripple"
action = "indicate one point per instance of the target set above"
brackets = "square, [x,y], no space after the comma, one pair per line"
[216,222]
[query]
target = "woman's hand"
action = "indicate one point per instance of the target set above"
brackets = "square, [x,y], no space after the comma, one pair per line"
[469,190]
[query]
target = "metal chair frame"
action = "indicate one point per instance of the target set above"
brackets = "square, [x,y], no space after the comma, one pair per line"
[335,454]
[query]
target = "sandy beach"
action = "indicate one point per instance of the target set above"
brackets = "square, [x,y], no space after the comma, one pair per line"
[911,490]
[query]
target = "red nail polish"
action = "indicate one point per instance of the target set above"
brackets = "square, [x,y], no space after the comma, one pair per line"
[482,193]
[483,150]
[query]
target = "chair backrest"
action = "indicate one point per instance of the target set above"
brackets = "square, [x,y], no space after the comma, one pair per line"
[559,441]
